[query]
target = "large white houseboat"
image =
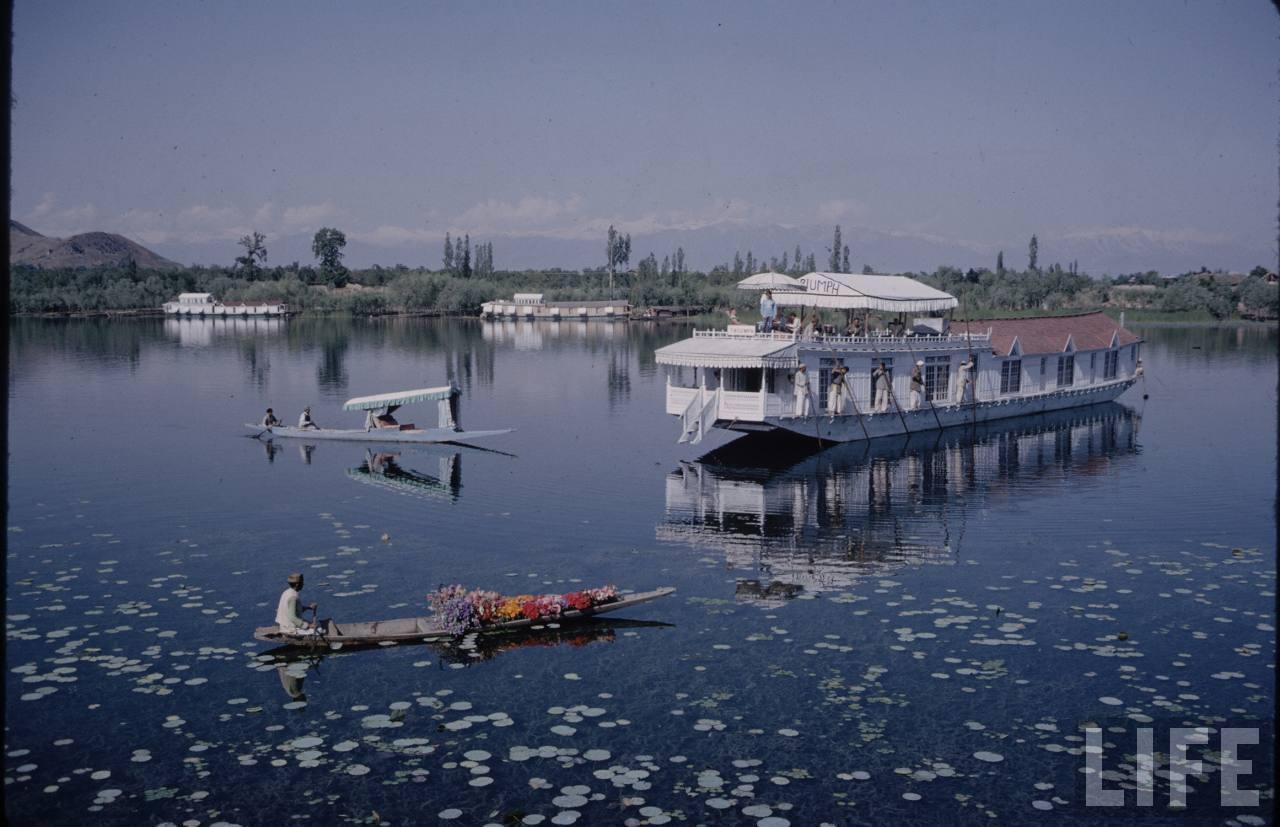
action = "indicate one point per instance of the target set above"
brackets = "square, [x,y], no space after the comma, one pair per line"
[744,379]
[532,306]
[204,304]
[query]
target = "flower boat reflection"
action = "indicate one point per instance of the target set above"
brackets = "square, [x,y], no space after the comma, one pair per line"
[827,519]
[453,619]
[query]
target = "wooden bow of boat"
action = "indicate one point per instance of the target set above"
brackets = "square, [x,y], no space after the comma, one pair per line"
[427,629]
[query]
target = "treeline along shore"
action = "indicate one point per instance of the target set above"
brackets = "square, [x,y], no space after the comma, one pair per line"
[379,290]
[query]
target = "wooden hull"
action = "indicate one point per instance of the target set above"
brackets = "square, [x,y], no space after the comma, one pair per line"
[381,435]
[423,629]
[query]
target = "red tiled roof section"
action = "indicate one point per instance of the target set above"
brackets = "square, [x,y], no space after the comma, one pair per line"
[1048,334]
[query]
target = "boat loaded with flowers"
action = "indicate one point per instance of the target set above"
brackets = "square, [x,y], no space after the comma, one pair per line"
[458,611]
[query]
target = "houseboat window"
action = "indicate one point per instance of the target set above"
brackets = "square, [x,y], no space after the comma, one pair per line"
[1111,364]
[742,380]
[1093,362]
[1011,376]
[1066,371]
[937,377]
[1044,360]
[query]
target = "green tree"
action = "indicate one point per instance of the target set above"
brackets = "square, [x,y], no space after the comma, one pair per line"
[833,263]
[448,253]
[844,262]
[464,267]
[1000,264]
[327,246]
[255,254]
[617,251]
[1033,253]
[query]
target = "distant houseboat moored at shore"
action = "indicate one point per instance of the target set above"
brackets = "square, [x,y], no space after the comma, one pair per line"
[744,379]
[204,304]
[532,306]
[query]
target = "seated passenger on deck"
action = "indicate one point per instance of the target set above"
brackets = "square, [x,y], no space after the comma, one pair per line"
[305,420]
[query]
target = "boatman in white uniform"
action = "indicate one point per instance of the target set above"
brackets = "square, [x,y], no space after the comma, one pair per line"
[963,381]
[289,611]
[800,381]
[917,385]
[880,378]
[306,422]
[837,390]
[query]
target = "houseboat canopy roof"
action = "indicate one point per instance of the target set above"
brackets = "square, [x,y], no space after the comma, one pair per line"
[770,281]
[382,400]
[728,352]
[854,291]
[1049,334]
[195,297]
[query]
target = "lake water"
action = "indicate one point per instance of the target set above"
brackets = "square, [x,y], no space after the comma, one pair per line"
[916,631]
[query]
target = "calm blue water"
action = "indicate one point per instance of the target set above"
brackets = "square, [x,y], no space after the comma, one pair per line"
[915,631]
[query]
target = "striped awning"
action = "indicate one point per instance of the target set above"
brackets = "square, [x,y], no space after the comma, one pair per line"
[382,400]
[728,352]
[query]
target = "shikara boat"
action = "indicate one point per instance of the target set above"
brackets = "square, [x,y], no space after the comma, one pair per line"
[426,629]
[381,426]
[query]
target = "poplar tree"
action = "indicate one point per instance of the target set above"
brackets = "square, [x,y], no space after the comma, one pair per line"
[1033,253]
[845,263]
[834,262]
[1000,264]
[448,253]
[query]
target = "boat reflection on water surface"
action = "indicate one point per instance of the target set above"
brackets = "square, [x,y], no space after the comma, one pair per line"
[794,518]
[381,469]
[293,665]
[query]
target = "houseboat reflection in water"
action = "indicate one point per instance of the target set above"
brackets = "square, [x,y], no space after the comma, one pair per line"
[795,519]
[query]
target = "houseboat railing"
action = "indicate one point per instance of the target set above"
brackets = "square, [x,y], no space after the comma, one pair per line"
[887,340]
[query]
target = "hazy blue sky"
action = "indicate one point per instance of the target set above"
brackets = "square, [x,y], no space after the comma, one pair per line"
[976,124]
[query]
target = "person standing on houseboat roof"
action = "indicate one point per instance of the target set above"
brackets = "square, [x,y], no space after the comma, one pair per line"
[306,422]
[768,310]
[917,385]
[270,419]
[880,380]
[836,392]
[800,383]
[733,315]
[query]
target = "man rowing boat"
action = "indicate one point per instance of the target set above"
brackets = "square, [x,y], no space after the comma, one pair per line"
[289,611]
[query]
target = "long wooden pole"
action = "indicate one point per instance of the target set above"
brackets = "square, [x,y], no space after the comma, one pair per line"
[968,325]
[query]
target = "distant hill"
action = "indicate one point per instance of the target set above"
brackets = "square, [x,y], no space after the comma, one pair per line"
[26,246]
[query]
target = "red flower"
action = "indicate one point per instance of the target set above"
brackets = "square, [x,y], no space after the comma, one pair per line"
[530,610]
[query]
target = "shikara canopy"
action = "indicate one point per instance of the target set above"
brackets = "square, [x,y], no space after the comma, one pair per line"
[770,281]
[382,400]
[728,352]
[851,291]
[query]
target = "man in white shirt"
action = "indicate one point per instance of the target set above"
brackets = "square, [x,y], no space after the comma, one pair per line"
[289,613]
[305,420]
[800,382]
